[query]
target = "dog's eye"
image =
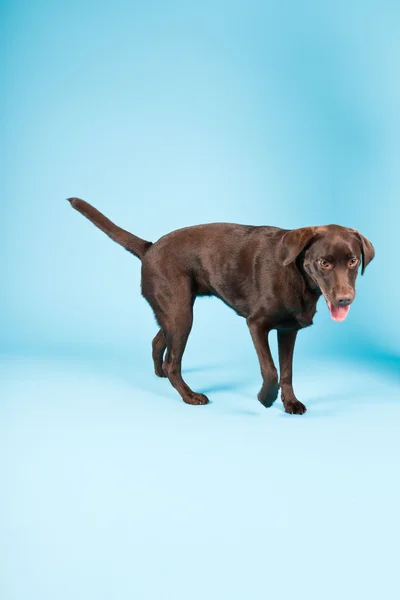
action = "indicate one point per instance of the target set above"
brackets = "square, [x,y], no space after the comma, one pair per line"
[353,262]
[324,263]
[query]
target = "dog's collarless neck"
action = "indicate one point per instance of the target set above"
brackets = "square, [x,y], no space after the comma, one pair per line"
[311,286]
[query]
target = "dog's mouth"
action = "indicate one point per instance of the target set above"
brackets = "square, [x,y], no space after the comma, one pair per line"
[338,313]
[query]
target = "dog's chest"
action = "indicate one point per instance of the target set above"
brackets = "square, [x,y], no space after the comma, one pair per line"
[298,317]
[307,312]
[294,322]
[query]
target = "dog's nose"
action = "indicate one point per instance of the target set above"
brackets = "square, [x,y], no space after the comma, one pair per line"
[345,300]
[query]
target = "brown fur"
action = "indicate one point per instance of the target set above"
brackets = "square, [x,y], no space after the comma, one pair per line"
[270,276]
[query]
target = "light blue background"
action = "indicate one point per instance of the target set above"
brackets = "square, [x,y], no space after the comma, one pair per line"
[166,114]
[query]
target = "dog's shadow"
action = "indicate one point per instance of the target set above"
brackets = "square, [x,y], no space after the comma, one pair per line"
[231,381]
[337,404]
[205,367]
[231,386]
[245,387]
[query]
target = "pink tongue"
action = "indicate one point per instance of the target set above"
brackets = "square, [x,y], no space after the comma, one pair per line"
[338,313]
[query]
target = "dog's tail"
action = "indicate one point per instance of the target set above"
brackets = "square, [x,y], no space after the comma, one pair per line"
[130,242]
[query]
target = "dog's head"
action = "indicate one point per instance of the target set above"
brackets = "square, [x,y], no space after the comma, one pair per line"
[331,256]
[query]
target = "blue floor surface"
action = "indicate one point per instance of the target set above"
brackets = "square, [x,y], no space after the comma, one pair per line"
[112,488]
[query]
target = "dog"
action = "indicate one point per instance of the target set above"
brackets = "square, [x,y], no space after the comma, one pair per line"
[270,276]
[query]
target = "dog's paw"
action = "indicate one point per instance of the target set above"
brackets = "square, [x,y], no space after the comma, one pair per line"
[268,394]
[294,407]
[159,371]
[196,399]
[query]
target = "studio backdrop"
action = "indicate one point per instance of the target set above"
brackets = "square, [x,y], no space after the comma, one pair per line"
[168,114]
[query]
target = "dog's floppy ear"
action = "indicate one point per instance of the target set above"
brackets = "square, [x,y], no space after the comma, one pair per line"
[367,250]
[294,242]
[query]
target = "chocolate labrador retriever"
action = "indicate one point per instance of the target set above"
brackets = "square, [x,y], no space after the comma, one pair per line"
[273,277]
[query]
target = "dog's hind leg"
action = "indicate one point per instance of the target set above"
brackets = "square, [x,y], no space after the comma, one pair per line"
[177,331]
[173,307]
[159,345]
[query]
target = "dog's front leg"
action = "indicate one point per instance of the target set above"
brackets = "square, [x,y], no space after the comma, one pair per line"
[286,342]
[259,333]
